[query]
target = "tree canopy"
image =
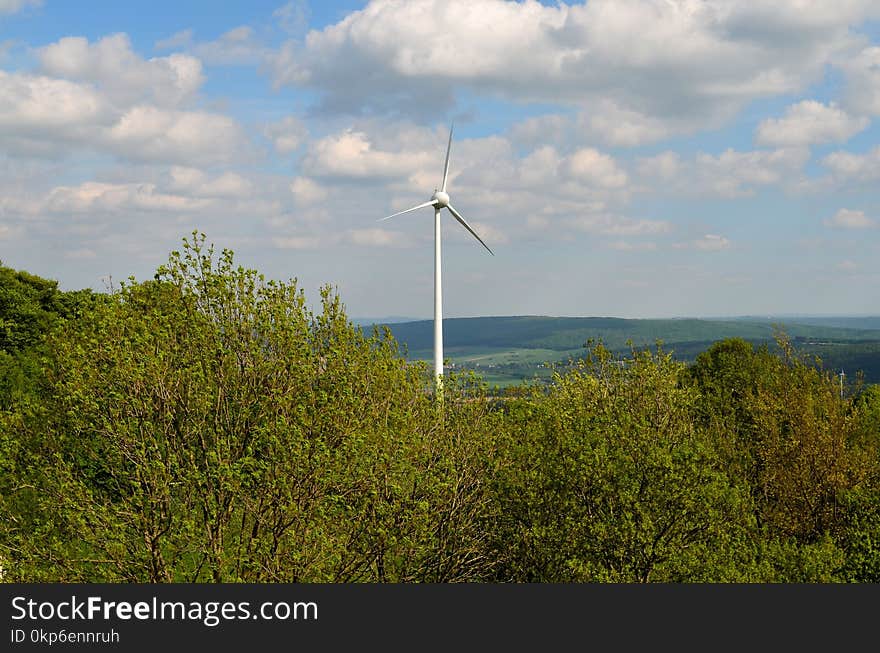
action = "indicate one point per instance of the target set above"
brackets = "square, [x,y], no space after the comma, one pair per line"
[208,425]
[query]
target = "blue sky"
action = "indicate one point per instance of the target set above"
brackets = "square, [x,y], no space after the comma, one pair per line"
[636,158]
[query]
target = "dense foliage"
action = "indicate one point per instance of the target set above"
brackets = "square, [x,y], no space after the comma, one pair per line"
[207,425]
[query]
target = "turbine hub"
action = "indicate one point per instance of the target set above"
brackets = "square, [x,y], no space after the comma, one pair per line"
[441,197]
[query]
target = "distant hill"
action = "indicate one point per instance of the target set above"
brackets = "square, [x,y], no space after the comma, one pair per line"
[513,348]
[566,333]
[845,321]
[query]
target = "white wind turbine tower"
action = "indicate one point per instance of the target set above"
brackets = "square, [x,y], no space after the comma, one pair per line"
[440,200]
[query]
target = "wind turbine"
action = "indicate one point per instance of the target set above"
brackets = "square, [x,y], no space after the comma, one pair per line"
[440,200]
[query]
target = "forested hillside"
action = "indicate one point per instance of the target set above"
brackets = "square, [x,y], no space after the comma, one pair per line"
[207,425]
[518,347]
[564,333]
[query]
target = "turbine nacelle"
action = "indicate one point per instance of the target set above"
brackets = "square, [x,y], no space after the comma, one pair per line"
[440,198]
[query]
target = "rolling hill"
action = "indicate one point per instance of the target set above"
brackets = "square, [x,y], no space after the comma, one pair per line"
[520,344]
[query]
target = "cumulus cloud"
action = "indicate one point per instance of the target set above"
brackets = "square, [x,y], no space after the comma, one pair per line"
[13,6]
[692,60]
[34,102]
[503,192]
[629,246]
[376,238]
[351,154]
[617,126]
[862,72]
[731,171]
[594,167]
[196,183]
[850,219]
[660,167]
[152,134]
[122,75]
[810,122]
[307,191]
[89,197]
[287,134]
[103,97]
[603,121]
[730,174]
[846,166]
[293,17]
[613,225]
[708,243]
[238,46]
[81,253]
[44,115]
[181,39]
[296,242]
[585,174]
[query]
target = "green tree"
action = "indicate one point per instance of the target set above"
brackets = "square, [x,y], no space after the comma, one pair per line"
[785,432]
[30,307]
[605,478]
[208,425]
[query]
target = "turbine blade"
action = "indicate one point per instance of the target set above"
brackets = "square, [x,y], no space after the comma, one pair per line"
[457,216]
[420,206]
[446,165]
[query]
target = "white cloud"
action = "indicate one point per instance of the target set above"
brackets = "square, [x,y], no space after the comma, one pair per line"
[379,167]
[584,168]
[613,225]
[125,77]
[863,81]
[196,183]
[603,121]
[35,103]
[730,174]
[848,266]
[593,167]
[661,167]
[850,219]
[376,238]
[46,116]
[238,46]
[628,246]
[89,197]
[81,254]
[545,129]
[296,242]
[692,62]
[735,174]
[617,126]
[181,39]
[8,232]
[846,166]
[13,6]
[810,122]
[307,191]
[707,243]
[293,17]
[148,133]
[711,243]
[287,134]
[351,154]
